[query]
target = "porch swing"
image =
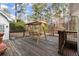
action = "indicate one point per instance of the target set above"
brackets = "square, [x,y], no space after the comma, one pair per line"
[36,30]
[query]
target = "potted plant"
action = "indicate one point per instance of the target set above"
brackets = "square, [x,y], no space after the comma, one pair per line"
[2,45]
[1,37]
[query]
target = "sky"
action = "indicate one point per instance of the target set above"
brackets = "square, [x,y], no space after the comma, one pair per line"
[11,6]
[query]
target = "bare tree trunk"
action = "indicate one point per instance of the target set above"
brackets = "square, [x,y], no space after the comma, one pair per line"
[15,12]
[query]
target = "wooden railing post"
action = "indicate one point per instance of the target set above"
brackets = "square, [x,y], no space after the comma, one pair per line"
[62,39]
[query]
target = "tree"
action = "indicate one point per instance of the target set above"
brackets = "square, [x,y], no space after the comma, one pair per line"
[60,10]
[20,9]
[37,10]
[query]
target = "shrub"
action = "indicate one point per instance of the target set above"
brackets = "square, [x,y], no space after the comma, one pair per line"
[17,26]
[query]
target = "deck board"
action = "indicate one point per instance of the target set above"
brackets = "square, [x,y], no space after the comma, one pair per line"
[29,47]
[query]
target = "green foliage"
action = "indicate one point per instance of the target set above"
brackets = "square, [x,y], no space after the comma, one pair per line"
[17,26]
[60,9]
[44,11]
[37,10]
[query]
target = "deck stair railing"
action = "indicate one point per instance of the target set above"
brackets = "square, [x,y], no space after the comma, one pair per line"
[67,42]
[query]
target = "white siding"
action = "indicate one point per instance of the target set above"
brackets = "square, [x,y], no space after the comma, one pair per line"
[3,20]
[5,23]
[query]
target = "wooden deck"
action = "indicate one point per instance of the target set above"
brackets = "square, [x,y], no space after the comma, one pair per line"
[29,47]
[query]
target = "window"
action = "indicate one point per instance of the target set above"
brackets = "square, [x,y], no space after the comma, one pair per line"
[1,28]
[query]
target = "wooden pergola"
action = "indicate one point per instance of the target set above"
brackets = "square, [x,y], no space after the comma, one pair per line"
[36,29]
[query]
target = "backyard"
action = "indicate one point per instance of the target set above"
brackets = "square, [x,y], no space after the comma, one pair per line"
[40,29]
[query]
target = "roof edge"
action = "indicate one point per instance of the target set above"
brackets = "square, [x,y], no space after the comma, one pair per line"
[5,15]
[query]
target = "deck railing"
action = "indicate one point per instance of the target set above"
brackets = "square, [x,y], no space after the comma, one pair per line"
[67,42]
[15,33]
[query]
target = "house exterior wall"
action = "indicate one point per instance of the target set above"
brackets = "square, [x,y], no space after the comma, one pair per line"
[74,8]
[5,23]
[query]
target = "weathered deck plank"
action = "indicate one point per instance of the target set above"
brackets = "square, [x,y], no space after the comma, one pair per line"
[29,47]
[48,49]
